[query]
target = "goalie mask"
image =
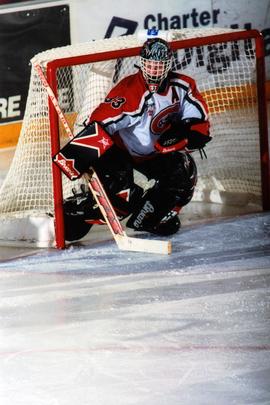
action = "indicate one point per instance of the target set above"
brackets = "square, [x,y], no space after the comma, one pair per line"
[155,62]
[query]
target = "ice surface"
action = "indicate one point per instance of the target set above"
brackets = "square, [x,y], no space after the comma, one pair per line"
[95,326]
[92,325]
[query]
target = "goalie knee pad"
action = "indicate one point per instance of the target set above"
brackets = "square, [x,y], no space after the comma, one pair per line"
[174,188]
[183,178]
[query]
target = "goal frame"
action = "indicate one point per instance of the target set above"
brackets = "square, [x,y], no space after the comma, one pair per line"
[51,71]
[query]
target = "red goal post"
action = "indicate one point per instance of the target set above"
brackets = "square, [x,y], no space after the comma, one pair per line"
[228,66]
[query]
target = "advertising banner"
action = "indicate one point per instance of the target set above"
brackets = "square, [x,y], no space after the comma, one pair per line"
[23,34]
[25,31]
[89,22]
[127,18]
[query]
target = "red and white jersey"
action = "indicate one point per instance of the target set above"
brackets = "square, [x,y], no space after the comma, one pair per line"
[140,117]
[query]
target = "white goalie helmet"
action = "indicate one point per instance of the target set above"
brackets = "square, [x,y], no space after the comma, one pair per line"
[155,62]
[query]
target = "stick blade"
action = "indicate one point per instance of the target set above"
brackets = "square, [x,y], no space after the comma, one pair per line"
[125,242]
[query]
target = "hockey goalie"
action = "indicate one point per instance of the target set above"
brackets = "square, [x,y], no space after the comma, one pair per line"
[151,121]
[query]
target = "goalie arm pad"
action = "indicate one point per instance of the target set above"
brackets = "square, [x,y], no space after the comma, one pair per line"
[191,133]
[75,158]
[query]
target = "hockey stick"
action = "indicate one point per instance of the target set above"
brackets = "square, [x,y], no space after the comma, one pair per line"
[123,241]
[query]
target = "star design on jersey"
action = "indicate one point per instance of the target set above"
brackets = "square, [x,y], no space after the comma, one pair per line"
[98,140]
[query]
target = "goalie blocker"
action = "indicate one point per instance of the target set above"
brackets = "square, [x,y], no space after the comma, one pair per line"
[75,158]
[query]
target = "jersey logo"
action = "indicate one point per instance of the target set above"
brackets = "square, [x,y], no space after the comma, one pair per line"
[115,102]
[161,122]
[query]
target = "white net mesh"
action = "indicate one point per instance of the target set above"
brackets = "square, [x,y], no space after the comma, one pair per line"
[225,74]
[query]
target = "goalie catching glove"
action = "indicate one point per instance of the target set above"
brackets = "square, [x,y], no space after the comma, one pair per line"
[191,133]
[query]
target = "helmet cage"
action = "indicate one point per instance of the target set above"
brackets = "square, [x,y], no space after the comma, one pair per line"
[155,61]
[155,71]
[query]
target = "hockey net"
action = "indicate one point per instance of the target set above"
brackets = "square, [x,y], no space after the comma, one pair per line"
[228,68]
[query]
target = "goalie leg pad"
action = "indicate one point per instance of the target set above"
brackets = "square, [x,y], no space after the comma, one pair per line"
[182,181]
[75,227]
[168,225]
[174,188]
[74,214]
[151,211]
